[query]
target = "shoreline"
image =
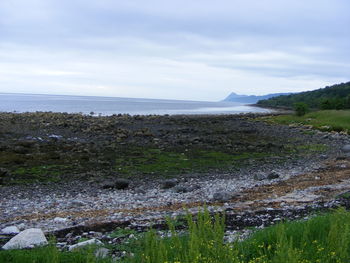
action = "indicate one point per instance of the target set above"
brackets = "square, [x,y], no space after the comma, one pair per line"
[79,199]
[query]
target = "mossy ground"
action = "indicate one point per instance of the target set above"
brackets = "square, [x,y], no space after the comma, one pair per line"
[164,163]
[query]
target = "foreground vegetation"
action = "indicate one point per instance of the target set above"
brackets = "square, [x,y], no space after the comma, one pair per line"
[333,97]
[325,238]
[327,120]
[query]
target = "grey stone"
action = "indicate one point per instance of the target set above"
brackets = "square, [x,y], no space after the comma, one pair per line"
[346,148]
[27,239]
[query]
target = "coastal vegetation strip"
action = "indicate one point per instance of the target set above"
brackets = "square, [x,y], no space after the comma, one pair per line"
[323,238]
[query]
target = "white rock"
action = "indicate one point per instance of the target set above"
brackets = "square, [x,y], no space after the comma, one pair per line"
[60,220]
[10,230]
[93,241]
[27,239]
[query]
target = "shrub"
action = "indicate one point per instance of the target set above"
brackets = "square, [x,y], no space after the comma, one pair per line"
[301,108]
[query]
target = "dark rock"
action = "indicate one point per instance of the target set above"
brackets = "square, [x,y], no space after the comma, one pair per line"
[273,175]
[166,184]
[121,183]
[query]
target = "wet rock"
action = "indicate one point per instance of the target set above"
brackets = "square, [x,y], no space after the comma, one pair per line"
[27,239]
[170,183]
[93,241]
[10,230]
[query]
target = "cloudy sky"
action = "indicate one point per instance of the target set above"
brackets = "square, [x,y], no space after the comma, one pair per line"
[197,50]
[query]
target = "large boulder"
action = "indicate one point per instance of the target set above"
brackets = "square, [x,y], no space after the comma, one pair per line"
[27,239]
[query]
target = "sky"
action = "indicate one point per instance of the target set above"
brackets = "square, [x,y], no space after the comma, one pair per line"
[191,50]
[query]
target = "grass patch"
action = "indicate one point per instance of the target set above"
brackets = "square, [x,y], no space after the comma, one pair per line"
[327,120]
[166,163]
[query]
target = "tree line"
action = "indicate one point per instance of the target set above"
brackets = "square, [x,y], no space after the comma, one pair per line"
[332,97]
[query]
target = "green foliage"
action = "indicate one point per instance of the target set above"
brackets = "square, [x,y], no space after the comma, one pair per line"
[301,108]
[328,120]
[333,97]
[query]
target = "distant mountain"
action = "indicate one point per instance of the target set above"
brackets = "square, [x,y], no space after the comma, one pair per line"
[333,97]
[233,97]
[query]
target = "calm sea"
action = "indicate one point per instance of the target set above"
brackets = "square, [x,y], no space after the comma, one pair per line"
[111,105]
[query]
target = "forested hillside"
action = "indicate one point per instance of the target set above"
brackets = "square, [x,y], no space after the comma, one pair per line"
[333,97]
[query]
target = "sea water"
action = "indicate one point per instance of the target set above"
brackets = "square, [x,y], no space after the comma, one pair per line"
[112,105]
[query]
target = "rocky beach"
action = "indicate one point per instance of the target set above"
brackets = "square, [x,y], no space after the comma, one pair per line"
[75,175]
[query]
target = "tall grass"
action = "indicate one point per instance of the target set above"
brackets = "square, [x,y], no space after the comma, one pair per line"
[321,239]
